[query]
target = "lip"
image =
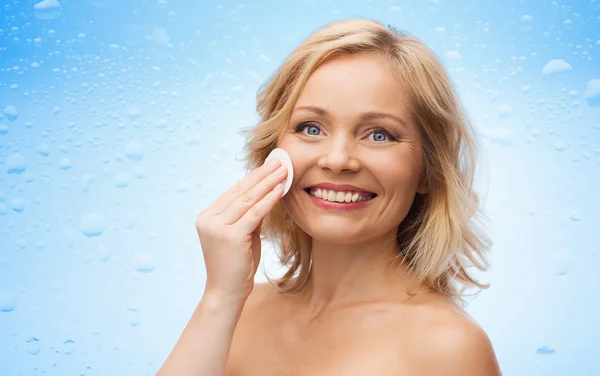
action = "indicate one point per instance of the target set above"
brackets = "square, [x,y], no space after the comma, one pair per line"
[342,187]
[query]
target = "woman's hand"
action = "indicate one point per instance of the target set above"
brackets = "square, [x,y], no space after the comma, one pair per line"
[229,232]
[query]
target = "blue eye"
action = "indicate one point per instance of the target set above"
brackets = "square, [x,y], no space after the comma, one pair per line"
[309,129]
[312,130]
[381,135]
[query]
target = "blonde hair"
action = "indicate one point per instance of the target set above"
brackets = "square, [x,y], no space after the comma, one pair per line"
[440,237]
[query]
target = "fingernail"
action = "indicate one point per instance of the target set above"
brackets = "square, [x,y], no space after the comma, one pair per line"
[272,163]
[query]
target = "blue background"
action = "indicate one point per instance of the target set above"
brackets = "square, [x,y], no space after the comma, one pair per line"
[118,124]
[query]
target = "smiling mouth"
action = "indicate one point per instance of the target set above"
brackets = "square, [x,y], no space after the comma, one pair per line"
[347,197]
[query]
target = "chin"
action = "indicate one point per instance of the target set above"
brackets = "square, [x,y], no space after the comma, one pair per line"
[334,230]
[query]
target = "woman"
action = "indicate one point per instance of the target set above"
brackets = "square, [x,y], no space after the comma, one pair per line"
[376,231]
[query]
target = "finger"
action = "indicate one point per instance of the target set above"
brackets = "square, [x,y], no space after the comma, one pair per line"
[242,187]
[243,203]
[252,218]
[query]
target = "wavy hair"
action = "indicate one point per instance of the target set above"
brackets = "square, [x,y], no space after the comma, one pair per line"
[442,234]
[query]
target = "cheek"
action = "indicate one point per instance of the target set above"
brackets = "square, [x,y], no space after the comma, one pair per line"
[296,152]
[402,172]
[286,142]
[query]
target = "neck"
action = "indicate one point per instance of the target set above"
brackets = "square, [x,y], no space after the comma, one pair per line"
[346,274]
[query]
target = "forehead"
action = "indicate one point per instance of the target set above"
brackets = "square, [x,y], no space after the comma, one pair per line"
[351,85]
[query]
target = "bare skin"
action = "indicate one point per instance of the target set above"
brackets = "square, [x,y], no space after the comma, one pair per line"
[421,335]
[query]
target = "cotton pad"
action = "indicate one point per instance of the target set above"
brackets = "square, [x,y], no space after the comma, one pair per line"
[285,160]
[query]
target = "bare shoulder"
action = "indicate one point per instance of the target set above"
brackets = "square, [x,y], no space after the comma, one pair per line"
[261,296]
[449,342]
[261,293]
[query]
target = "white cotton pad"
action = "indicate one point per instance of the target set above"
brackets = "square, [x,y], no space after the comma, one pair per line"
[285,161]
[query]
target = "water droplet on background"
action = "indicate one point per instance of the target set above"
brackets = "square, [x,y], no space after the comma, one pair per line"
[92,224]
[122,180]
[453,55]
[592,93]
[161,123]
[526,22]
[561,261]
[182,186]
[16,164]
[133,317]
[11,113]
[556,66]
[504,111]
[68,347]
[575,216]
[559,146]
[8,301]
[133,113]
[139,172]
[499,135]
[162,4]
[144,262]
[135,151]
[103,253]
[193,139]
[18,204]
[545,350]
[33,346]
[86,181]
[130,221]
[47,10]
[65,164]
[43,150]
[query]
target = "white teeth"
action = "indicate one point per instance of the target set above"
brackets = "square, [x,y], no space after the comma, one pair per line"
[329,195]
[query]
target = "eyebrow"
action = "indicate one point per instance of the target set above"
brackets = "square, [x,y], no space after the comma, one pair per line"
[365,116]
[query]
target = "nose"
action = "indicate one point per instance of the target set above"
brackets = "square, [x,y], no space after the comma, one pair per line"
[338,156]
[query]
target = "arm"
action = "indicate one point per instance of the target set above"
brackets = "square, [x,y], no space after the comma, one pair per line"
[229,233]
[203,347]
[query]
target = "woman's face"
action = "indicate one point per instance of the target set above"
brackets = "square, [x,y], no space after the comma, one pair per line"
[356,152]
